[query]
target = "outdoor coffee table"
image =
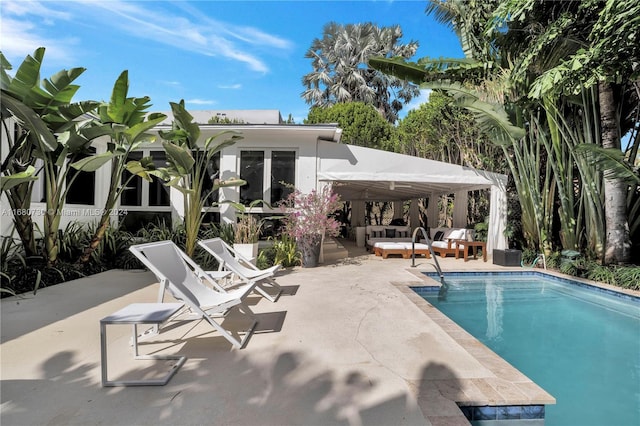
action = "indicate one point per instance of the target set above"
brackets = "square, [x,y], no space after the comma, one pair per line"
[136,314]
[474,246]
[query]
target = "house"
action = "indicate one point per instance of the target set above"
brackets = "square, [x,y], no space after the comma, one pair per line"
[270,153]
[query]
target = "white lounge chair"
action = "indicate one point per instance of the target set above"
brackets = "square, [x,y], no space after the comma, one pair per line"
[242,268]
[179,274]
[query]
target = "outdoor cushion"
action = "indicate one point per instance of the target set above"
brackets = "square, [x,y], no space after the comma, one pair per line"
[377,234]
[457,234]
[402,234]
[438,237]
[389,233]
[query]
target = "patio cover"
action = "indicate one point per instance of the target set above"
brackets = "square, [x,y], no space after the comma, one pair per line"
[365,174]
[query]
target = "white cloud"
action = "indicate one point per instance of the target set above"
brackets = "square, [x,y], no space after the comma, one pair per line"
[230,86]
[255,36]
[21,33]
[23,8]
[197,32]
[200,102]
[171,83]
[23,24]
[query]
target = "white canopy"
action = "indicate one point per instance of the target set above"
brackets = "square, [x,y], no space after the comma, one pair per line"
[365,174]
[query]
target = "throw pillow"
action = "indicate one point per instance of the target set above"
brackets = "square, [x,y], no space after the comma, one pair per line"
[439,235]
[389,233]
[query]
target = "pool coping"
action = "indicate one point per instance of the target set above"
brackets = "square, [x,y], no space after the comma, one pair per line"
[507,387]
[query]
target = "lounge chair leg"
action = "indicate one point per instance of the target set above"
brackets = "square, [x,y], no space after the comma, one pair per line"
[271,298]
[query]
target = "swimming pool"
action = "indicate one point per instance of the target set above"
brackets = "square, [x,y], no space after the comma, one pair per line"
[580,344]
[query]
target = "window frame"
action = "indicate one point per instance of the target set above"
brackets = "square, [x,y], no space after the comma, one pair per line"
[266,173]
[145,187]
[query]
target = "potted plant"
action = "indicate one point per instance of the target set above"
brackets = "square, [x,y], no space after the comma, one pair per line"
[308,221]
[246,236]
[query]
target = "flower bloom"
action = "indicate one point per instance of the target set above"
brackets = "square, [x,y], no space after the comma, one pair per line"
[310,220]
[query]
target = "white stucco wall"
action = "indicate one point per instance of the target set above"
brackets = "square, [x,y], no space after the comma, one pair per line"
[301,139]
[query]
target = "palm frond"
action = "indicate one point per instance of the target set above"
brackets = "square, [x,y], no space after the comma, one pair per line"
[610,161]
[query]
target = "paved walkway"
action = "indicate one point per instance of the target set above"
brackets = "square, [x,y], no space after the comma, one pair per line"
[346,345]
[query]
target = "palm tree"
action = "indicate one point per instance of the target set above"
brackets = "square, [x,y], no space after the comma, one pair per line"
[341,74]
[549,57]
[578,46]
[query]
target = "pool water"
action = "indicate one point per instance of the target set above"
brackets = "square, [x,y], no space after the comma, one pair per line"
[580,344]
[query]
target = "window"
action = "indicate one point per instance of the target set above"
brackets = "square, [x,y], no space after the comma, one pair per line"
[158,192]
[213,174]
[38,190]
[132,194]
[283,174]
[252,171]
[270,175]
[82,190]
[140,192]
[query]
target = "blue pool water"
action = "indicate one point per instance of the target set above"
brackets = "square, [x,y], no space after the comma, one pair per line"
[580,344]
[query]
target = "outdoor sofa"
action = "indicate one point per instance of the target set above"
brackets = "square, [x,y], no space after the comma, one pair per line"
[386,234]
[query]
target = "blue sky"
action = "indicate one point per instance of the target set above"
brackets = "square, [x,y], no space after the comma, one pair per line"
[212,54]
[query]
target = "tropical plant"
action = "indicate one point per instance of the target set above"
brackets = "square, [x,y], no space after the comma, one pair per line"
[226,231]
[442,131]
[585,45]
[129,122]
[627,276]
[600,273]
[286,251]
[545,67]
[341,73]
[11,254]
[56,131]
[247,229]
[187,167]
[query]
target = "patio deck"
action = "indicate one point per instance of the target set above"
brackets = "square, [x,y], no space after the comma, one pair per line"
[344,345]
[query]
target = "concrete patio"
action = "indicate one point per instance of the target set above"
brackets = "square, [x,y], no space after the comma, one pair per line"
[348,343]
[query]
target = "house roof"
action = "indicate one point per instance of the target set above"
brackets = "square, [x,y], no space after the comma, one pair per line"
[360,173]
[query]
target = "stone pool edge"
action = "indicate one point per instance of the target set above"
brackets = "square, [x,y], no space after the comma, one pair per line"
[507,387]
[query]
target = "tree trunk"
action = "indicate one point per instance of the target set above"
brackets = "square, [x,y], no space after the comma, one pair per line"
[618,245]
[51,226]
[19,201]
[97,238]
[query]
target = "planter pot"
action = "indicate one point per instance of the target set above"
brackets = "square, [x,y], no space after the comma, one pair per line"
[249,251]
[311,255]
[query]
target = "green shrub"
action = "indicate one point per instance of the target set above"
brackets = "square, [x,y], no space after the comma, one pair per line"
[286,252]
[554,260]
[11,258]
[226,231]
[627,277]
[481,230]
[266,258]
[528,256]
[600,273]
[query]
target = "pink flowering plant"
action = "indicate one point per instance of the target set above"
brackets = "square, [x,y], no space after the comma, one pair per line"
[308,219]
